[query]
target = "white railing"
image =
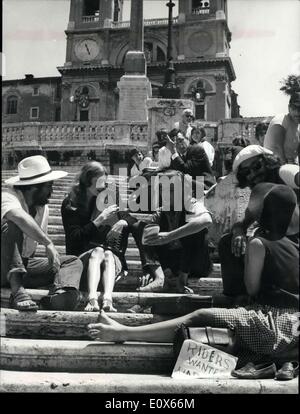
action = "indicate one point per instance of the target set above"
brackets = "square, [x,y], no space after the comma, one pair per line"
[90,19]
[200,11]
[74,134]
[147,22]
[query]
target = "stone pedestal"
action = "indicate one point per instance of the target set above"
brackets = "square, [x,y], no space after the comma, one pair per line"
[134,92]
[163,113]
[134,88]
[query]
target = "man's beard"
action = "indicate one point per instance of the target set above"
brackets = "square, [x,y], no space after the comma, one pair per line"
[40,200]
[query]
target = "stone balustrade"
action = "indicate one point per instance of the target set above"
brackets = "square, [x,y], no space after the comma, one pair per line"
[71,135]
[200,11]
[90,19]
[147,22]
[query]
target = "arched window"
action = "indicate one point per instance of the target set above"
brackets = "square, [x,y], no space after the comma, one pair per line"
[12,105]
[161,57]
[148,51]
[85,90]
[91,8]
[200,6]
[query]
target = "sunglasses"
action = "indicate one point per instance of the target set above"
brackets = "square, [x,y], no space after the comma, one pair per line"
[256,166]
[189,116]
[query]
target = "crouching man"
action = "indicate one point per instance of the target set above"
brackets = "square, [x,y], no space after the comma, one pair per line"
[24,221]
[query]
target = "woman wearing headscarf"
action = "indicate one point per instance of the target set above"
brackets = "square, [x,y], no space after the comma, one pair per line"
[252,165]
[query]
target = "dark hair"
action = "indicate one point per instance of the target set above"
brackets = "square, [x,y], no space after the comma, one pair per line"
[161,132]
[261,129]
[272,164]
[155,145]
[131,162]
[173,133]
[240,142]
[89,171]
[133,152]
[199,128]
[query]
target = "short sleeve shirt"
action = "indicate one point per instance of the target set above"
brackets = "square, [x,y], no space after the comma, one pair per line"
[12,199]
[209,150]
[192,211]
[164,158]
[291,141]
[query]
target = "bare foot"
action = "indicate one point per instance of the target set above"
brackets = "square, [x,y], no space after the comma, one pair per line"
[92,305]
[107,305]
[107,330]
[181,284]
[155,286]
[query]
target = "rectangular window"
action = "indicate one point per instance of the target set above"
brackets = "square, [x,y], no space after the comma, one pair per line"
[35,91]
[34,112]
[12,105]
[84,115]
[58,92]
[200,111]
[57,114]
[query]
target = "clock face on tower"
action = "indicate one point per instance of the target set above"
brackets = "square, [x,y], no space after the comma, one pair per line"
[87,49]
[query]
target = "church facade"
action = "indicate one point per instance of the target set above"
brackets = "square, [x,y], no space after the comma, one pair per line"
[97,40]
[97,43]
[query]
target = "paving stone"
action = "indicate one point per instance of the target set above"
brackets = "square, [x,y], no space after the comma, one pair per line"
[58,382]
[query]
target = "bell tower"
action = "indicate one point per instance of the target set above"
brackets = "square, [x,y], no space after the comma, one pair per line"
[86,85]
[204,38]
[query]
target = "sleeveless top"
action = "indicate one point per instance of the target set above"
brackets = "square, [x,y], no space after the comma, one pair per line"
[280,276]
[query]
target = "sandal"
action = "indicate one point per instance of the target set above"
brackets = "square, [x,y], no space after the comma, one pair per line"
[21,296]
[92,305]
[107,306]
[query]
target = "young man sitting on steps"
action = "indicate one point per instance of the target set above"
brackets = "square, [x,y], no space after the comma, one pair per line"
[24,221]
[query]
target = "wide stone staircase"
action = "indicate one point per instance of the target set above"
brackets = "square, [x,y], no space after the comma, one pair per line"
[50,351]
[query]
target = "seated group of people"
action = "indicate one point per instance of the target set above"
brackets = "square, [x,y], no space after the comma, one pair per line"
[262,269]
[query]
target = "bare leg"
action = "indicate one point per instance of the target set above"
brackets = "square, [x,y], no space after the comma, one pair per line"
[155,283]
[16,285]
[181,283]
[112,331]
[108,280]
[93,278]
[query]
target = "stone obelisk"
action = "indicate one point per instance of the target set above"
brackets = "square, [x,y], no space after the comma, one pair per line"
[134,86]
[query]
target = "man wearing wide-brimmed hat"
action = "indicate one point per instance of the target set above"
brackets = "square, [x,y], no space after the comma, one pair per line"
[24,221]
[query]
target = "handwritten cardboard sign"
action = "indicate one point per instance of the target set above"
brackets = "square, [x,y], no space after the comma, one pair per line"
[197,360]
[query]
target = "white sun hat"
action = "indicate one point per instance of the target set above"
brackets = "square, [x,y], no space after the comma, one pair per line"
[34,170]
[248,152]
[188,112]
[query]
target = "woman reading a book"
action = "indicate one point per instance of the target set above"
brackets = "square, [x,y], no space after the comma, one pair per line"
[99,238]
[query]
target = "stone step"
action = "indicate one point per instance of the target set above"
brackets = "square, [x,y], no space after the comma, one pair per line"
[147,384]
[122,300]
[125,295]
[85,356]
[62,325]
